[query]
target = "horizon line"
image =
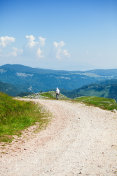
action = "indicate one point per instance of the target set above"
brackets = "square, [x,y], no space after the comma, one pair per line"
[62,69]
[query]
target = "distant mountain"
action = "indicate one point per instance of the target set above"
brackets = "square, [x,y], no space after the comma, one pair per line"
[9,89]
[27,79]
[112,73]
[107,89]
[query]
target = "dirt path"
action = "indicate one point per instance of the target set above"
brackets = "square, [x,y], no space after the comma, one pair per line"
[80,140]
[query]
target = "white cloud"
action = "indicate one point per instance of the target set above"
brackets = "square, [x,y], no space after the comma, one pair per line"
[5,40]
[66,53]
[59,44]
[42,41]
[15,52]
[60,52]
[39,53]
[31,41]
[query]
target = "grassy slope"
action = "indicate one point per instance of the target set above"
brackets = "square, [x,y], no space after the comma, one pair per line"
[94,92]
[104,103]
[17,115]
[48,95]
[52,95]
[106,89]
[90,90]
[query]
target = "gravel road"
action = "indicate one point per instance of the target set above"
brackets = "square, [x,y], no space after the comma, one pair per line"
[80,140]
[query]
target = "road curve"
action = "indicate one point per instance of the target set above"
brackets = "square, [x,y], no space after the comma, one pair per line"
[80,140]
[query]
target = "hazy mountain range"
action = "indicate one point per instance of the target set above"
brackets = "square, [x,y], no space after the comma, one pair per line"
[20,78]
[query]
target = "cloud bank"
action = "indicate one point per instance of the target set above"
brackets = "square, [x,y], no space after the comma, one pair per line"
[31,41]
[60,52]
[5,40]
[36,43]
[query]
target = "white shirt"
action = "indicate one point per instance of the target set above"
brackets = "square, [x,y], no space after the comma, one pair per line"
[57,91]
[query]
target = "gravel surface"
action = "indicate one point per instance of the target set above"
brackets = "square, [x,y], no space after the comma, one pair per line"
[80,140]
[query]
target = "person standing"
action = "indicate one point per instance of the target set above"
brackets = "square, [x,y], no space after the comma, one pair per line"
[57,93]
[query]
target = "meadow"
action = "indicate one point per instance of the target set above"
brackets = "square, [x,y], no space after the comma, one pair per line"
[16,116]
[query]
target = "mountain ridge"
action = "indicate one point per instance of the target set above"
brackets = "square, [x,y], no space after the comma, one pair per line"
[38,68]
[28,79]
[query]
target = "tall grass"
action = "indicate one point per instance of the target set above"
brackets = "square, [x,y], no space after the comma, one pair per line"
[17,115]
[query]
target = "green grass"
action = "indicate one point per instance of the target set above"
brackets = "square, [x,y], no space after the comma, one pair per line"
[17,115]
[104,103]
[93,92]
[47,95]
[52,95]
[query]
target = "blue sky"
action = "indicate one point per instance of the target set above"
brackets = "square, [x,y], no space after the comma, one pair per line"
[59,34]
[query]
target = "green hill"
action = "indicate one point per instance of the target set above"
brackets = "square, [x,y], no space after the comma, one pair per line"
[9,89]
[107,89]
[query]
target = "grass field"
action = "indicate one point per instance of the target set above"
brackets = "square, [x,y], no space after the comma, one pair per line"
[17,115]
[104,103]
[47,95]
[52,95]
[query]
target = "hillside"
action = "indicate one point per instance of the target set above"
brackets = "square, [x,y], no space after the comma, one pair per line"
[46,95]
[9,89]
[103,103]
[107,89]
[29,79]
[16,116]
